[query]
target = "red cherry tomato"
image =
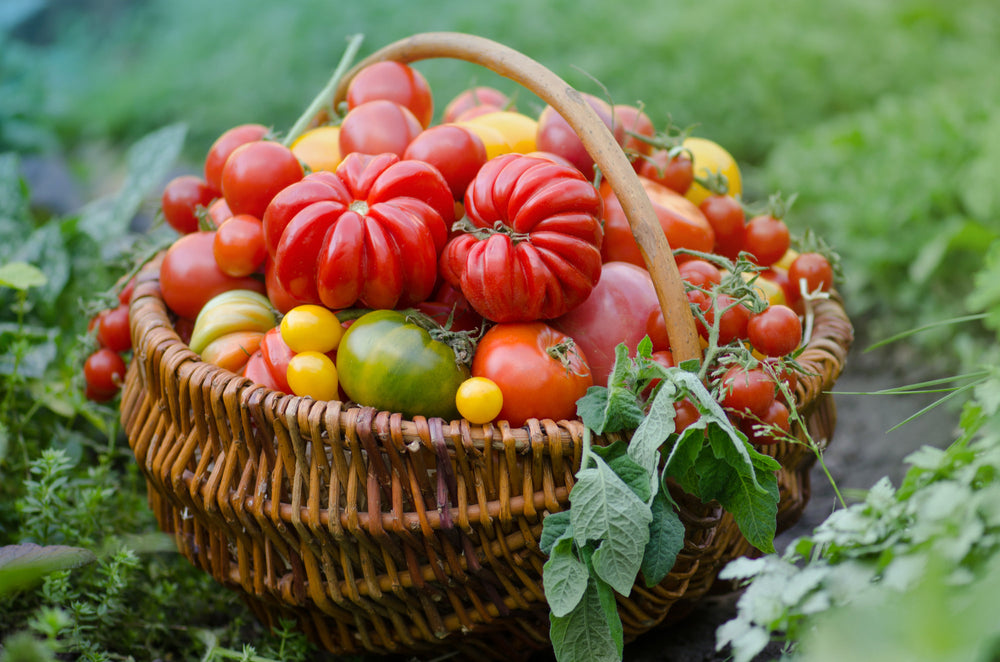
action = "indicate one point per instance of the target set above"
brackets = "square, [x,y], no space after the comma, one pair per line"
[635,123]
[239,245]
[181,199]
[767,239]
[773,425]
[396,82]
[224,146]
[685,414]
[378,127]
[815,269]
[456,152]
[733,321]
[676,172]
[482,97]
[700,273]
[777,331]
[113,329]
[255,172]
[728,220]
[104,371]
[747,391]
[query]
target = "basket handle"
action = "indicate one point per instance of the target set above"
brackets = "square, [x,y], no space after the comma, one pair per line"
[596,138]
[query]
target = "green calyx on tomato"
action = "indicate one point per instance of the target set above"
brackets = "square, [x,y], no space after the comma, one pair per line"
[387,361]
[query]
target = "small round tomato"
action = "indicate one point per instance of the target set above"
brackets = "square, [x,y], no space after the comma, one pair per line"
[685,414]
[313,374]
[396,82]
[733,320]
[539,370]
[390,363]
[747,391]
[771,427]
[239,245]
[113,329]
[319,148]
[311,328]
[473,98]
[675,171]
[815,269]
[378,127]
[457,152]
[224,146]
[104,371]
[182,197]
[637,125]
[479,400]
[767,238]
[218,213]
[776,331]
[728,220]
[709,157]
[255,172]
[700,273]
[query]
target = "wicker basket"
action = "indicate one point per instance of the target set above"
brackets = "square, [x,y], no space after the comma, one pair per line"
[379,534]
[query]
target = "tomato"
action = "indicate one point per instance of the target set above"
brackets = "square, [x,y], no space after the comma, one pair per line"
[476,98]
[239,245]
[493,139]
[533,247]
[256,370]
[557,136]
[104,371]
[230,312]
[635,124]
[615,312]
[255,172]
[311,328]
[700,273]
[776,331]
[218,213]
[457,153]
[275,355]
[189,275]
[369,233]
[113,329]
[709,158]
[233,350]
[279,296]
[318,148]
[685,414]
[224,145]
[396,82]
[519,130]
[313,374]
[683,224]
[390,363]
[733,320]
[182,198]
[539,370]
[675,171]
[767,238]
[747,391]
[479,400]
[771,427]
[127,289]
[815,269]
[378,127]
[728,220]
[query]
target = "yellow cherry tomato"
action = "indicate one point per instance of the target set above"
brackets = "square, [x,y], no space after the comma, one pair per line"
[478,400]
[518,129]
[319,148]
[710,157]
[313,374]
[309,327]
[492,137]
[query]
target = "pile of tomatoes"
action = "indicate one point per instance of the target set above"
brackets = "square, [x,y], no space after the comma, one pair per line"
[474,267]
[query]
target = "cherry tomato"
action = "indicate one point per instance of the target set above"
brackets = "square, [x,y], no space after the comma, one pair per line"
[710,157]
[473,98]
[539,370]
[479,400]
[125,293]
[634,123]
[734,319]
[311,328]
[685,414]
[396,82]
[767,238]
[700,273]
[773,425]
[104,371]
[218,213]
[378,127]
[318,148]
[313,374]
[181,199]
[777,331]
[189,275]
[239,245]
[255,172]
[557,136]
[815,269]
[747,391]
[224,146]
[113,329]
[676,171]
[275,355]
[455,151]
[726,216]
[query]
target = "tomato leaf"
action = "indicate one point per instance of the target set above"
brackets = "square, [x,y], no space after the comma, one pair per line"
[666,539]
[564,578]
[589,631]
[554,527]
[634,475]
[616,407]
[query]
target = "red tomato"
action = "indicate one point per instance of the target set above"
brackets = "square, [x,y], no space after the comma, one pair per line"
[396,82]
[780,278]
[104,371]
[777,331]
[685,414]
[239,245]
[634,122]
[700,273]
[815,269]
[218,213]
[377,127]
[683,224]
[224,146]
[455,151]
[747,391]
[279,296]
[125,294]
[113,329]
[275,355]
[758,432]
[728,220]
[255,172]
[539,371]
[535,252]
[257,371]
[616,311]
[676,172]
[734,320]
[482,97]
[370,232]
[181,199]
[189,275]
[557,136]
[767,239]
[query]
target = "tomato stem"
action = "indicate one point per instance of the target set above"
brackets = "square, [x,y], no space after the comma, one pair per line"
[462,343]
[325,95]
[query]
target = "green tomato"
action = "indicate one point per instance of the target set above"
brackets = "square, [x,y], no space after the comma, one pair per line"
[387,362]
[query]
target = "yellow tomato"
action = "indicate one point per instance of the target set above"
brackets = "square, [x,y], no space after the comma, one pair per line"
[786,260]
[309,327]
[479,400]
[313,374]
[767,289]
[708,158]
[492,137]
[518,129]
[319,148]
